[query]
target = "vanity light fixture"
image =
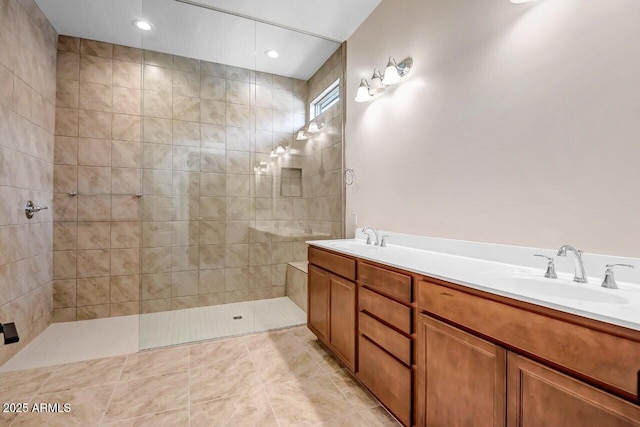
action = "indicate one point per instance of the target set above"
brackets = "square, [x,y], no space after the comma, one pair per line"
[394,72]
[281,149]
[301,136]
[316,125]
[376,85]
[364,93]
[273,154]
[143,25]
[272,54]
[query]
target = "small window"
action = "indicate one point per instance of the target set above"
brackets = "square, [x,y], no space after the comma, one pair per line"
[325,100]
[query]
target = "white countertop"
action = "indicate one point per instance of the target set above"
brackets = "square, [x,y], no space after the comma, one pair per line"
[520,282]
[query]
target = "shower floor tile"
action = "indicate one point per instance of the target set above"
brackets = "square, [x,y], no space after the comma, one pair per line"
[249,380]
[84,340]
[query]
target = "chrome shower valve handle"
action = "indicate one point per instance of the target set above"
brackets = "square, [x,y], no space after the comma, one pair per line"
[30,209]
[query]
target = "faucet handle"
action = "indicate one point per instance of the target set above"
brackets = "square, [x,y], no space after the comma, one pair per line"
[609,279]
[383,241]
[551,268]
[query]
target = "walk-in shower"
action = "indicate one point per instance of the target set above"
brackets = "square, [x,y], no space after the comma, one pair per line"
[191,165]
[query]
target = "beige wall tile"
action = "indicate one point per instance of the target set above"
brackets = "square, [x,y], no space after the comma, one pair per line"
[186,84]
[68,66]
[186,133]
[126,235]
[213,136]
[127,74]
[126,208]
[94,180]
[126,127]
[212,160]
[67,93]
[126,181]
[212,208]
[94,96]
[92,47]
[237,116]
[186,64]
[124,309]
[64,264]
[66,122]
[186,108]
[65,150]
[157,130]
[213,88]
[65,178]
[125,289]
[238,92]
[125,262]
[157,104]
[127,101]
[124,53]
[156,260]
[213,69]
[212,256]
[213,112]
[64,293]
[156,286]
[93,208]
[65,236]
[184,283]
[69,44]
[94,124]
[126,154]
[158,79]
[94,152]
[211,281]
[96,70]
[92,264]
[156,156]
[157,58]
[94,235]
[92,312]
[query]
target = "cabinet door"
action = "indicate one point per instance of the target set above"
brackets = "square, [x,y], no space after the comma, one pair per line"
[541,396]
[342,318]
[318,302]
[461,378]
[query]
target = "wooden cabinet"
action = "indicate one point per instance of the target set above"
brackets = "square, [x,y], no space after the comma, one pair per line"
[331,312]
[461,378]
[439,354]
[342,319]
[540,396]
[318,302]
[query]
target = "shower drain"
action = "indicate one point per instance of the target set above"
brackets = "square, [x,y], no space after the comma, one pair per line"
[237,317]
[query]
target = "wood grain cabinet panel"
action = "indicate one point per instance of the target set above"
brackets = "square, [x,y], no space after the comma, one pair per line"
[607,359]
[388,379]
[393,313]
[461,378]
[390,283]
[338,264]
[342,319]
[540,396]
[318,302]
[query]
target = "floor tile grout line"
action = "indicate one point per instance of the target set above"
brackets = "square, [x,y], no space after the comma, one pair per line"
[115,385]
[264,386]
[34,395]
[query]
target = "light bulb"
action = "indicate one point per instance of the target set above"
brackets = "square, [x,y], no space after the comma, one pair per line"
[391,75]
[363,94]
[313,127]
[143,25]
[376,83]
[272,54]
[301,136]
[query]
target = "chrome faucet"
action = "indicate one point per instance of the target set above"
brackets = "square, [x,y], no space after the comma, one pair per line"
[366,230]
[580,275]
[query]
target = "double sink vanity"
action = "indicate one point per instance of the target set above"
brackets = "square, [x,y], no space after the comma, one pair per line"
[443,339]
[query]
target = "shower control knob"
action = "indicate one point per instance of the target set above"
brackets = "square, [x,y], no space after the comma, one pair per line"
[30,209]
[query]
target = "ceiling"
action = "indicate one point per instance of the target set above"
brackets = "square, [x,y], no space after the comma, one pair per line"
[188,30]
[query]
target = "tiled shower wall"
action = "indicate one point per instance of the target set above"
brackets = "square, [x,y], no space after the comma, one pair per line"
[27,120]
[321,206]
[186,134]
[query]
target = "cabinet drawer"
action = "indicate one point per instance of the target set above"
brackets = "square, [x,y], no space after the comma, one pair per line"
[387,338]
[393,313]
[388,379]
[574,347]
[395,285]
[340,265]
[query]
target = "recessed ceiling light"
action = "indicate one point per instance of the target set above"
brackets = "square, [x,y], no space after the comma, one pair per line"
[143,25]
[272,54]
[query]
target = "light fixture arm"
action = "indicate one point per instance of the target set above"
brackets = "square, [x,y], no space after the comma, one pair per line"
[403,67]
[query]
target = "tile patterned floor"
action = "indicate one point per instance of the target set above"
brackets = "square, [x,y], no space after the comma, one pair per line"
[282,378]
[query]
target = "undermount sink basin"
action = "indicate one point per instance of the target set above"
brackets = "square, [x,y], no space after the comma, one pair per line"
[354,244]
[554,288]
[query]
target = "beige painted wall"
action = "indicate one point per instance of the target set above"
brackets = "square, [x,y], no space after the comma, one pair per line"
[520,124]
